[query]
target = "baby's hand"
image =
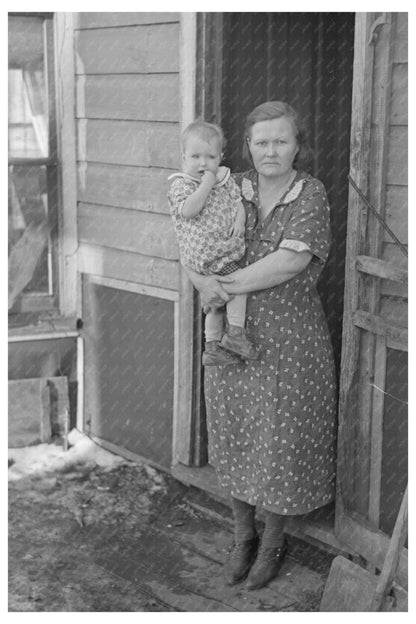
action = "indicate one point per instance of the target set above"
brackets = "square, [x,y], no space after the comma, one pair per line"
[237,230]
[209,178]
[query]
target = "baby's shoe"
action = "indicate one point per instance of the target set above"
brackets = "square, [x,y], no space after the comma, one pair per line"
[236,341]
[215,356]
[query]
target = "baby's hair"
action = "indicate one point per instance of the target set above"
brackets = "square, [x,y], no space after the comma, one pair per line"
[204,130]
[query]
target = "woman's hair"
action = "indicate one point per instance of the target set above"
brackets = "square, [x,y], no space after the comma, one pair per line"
[274,110]
[204,130]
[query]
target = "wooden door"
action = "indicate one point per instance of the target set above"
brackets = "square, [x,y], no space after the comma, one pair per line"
[372,450]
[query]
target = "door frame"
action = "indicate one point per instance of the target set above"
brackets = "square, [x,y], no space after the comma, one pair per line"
[361,404]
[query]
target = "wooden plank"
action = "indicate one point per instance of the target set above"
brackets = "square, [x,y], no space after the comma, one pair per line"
[397,212]
[129,266]
[59,405]
[393,255]
[377,325]
[377,430]
[399,95]
[137,188]
[393,310]
[372,544]
[355,245]
[111,19]
[183,433]
[129,143]
[135,50]
[68,242]
[129,230]
[397,155]
[151,97]
[28,412]
[401,38]
[380,268]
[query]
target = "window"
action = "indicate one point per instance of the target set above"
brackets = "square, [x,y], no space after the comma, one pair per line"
[33,166]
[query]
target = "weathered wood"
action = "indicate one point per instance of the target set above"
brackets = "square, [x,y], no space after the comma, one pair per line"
[397,213]
[399,95]
[377,325]
[183,432]
[380,268]
[136,50]
[372,544]
[359,165]
[393,255]
[110,19]
[59,404]
[151,97]
[64,35]
[377,430]
[129,230]
[28,412]
[392,557]
[129,266]
[137,188]
[129,143]
[401,38]
[397,155]
[394,310]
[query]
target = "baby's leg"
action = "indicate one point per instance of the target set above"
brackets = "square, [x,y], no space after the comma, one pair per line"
[214,325]
[236,310]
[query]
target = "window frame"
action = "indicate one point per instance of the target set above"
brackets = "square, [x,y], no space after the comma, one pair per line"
[61,175]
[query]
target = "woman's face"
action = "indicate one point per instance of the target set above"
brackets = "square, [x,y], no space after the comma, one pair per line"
[273,146]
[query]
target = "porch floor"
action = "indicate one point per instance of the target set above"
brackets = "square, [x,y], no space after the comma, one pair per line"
[135,540]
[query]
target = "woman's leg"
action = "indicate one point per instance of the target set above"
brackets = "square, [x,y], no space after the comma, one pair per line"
[271,552]
[244,549]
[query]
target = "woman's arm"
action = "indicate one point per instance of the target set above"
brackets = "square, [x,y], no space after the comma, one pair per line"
[275,268]
[210,288]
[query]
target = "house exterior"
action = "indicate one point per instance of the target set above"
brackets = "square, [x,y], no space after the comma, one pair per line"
[125,84]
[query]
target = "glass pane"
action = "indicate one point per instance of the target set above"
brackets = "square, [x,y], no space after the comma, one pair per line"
[28,101]
[29,240]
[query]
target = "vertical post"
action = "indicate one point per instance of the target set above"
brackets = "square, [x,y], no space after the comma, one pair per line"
[183,417]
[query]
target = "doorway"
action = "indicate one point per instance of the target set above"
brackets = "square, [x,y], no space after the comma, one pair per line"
[305,59]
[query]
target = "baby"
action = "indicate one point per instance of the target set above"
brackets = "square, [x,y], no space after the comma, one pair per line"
[209,219]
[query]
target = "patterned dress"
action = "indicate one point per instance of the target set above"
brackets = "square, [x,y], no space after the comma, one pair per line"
[272,422]
[205,244]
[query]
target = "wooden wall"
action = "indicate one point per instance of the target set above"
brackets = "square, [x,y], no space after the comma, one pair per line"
[393,294]
[127,115]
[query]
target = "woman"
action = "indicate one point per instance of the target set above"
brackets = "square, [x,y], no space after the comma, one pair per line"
[271,423]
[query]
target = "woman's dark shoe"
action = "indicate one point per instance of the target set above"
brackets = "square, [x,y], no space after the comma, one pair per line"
[266,567]
[236,341]
[215,356]
[240,560]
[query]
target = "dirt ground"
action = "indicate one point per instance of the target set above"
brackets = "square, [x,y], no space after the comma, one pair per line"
[133,539]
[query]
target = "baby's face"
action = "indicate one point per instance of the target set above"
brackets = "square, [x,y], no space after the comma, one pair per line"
[200,156]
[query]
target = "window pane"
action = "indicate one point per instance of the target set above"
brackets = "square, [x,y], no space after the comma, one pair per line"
[29,240]
[28,101]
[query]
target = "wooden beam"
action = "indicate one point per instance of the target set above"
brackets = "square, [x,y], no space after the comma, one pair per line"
[382,269]
[376,325]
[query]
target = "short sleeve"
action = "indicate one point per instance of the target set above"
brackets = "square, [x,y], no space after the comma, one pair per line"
[233,190]
[179,191]
[309,228]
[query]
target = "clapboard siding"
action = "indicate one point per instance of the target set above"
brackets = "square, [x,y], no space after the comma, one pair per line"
[129,230]
[397,155]
[138,49]
[400,47]
[103,20]
[126,187]
[396,212]
[399,90]
[131,267]
[152,97]
[129,143]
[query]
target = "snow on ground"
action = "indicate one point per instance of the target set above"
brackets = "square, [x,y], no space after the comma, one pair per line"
[46,458]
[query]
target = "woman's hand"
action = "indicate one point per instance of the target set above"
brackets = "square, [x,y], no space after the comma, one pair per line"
[212,293]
